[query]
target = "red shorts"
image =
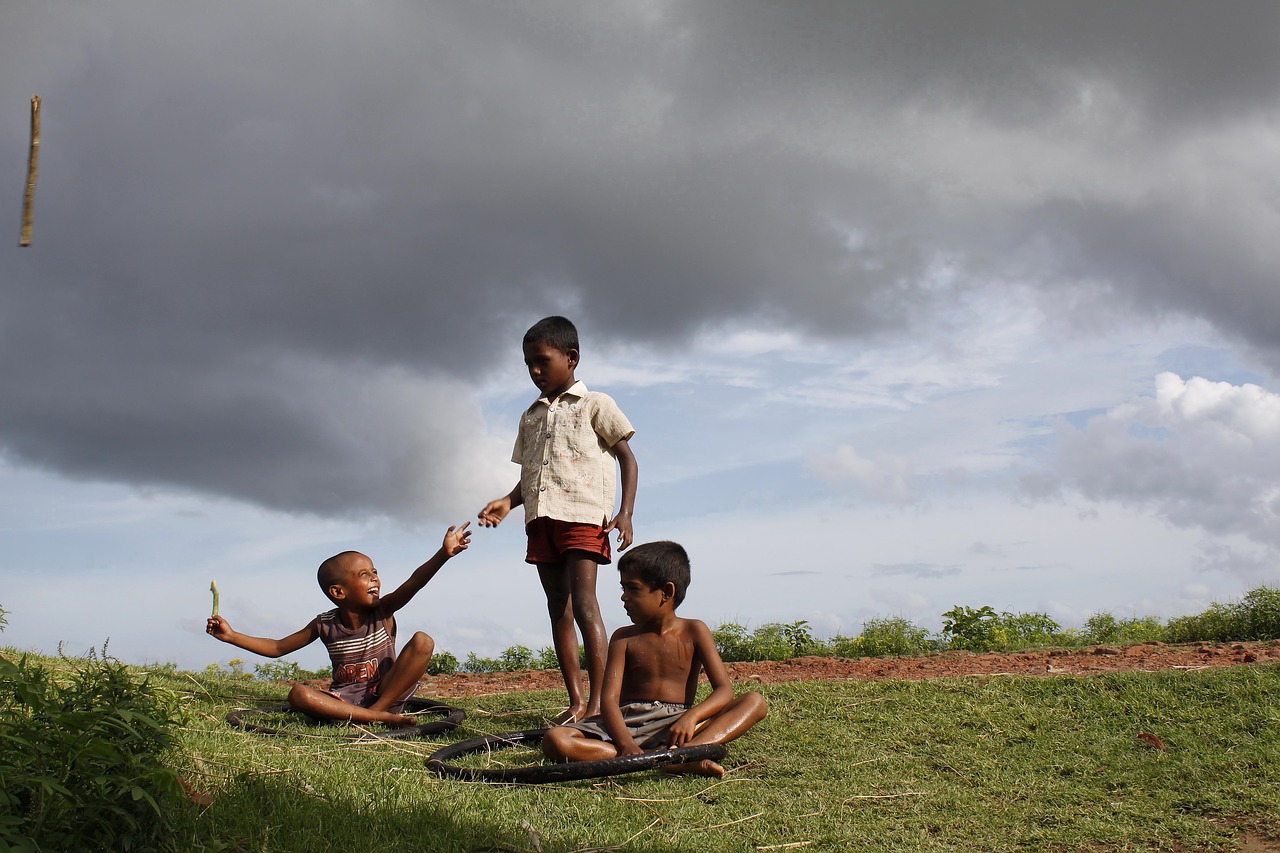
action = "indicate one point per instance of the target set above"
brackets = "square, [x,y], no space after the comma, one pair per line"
[550,538]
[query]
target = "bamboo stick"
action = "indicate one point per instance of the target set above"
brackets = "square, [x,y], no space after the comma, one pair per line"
[33,166]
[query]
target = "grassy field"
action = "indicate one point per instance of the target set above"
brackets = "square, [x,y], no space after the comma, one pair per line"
[1000,763]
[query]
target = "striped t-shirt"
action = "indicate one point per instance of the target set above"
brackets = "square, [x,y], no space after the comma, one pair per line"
[360,657]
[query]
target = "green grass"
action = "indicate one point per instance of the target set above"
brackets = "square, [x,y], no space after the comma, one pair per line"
[1000,763]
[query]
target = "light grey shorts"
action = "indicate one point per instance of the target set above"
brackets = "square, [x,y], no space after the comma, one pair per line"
[647,721]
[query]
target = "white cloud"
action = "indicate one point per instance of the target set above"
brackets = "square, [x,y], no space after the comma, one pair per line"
[886,478]
[1200,454]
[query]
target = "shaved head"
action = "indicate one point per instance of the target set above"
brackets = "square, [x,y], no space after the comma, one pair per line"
[334,570]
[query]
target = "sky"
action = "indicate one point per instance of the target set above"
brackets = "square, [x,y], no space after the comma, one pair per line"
[912,305]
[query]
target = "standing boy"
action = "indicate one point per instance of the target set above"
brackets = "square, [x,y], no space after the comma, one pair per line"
[370,683]
[566,446]
[651,680]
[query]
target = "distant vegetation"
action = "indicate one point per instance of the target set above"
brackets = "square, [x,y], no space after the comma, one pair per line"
[975,629]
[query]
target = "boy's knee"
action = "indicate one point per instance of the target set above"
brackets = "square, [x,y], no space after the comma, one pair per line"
[757,703]
[585,610]
[300,697]
[554,743]
[421,643]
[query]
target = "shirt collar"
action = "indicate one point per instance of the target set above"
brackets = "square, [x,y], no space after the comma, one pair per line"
[577,390]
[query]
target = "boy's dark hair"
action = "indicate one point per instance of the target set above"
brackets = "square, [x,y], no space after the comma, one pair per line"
[658,563]
[333,570]
[556,332]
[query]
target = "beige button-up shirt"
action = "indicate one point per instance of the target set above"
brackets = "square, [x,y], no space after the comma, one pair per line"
[562,448]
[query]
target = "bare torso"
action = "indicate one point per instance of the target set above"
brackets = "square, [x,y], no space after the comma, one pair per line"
[660,666]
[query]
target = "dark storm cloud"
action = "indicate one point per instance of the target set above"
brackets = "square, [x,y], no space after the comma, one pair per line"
[249,212]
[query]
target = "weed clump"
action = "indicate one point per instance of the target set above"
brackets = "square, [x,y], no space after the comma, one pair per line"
[80,767]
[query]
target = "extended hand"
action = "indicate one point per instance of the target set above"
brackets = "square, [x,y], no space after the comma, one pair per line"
[457,538]
[494,512]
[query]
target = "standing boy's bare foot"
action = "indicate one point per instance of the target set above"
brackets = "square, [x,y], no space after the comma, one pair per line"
[705,767]
[570,715]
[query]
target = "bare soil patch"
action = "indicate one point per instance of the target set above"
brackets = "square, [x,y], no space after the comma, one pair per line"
[1087,661]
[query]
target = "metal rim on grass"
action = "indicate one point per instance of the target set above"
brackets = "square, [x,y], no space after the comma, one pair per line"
[569,772]
[451,717]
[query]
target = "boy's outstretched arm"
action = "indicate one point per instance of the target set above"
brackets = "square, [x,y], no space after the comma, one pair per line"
[456,540]
[220,629]
[496,510]
[629,472]
[704,650]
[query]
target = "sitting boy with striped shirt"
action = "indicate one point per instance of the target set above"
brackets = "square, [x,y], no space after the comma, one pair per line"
[370,683]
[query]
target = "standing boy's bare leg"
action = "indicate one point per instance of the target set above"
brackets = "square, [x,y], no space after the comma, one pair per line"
[555,583]
[586,612]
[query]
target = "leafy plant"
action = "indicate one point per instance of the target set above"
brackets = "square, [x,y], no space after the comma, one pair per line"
[884,638]
[547,658]
[516,658]
[771,641]
[287,670]
[1105,628]
[984,630]
[81,764]
[1255,617]
[970,629]
[442,663]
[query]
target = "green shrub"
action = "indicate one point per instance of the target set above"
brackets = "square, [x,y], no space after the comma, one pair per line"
[442,663]
[970,629]
[884,638]
[984,630]
[1105,628]
[1259,614]
[476,664]
[731,641]
[81,764]
[1028,630]
[1255,617]
[772,641]
[547,658]
[287,670]
[515,659]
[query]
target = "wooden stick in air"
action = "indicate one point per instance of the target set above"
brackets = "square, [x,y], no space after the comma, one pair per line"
[33,166]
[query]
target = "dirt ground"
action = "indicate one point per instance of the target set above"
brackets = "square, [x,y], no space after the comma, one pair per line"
[1086,661]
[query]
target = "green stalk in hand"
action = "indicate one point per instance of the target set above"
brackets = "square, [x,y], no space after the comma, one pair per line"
[213,587]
